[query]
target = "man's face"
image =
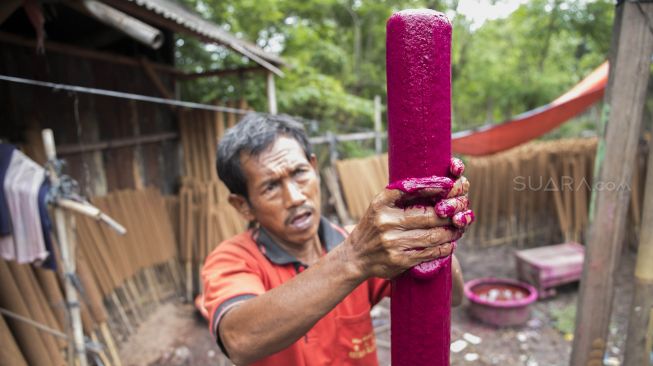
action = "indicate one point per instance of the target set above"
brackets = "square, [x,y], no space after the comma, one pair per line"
[284,191]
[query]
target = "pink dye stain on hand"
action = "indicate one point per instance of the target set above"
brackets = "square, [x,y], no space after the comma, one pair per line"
[457,167]
[463,219]
[449,207]
[418,55]
[415,184]
[425,270]
[424,192]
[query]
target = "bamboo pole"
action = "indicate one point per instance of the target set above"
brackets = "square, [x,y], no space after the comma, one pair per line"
[67,245]
[66,240]
[108,339]
[639,340]
[67,248]
[102,355]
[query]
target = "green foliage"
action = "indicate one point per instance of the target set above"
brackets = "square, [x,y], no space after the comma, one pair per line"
[564,319]
[335,54]
[528,59]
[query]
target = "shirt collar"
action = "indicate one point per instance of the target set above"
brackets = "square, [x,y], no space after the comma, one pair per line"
[330,236]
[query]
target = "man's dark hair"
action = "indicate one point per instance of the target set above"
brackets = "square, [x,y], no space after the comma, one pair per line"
[252,135]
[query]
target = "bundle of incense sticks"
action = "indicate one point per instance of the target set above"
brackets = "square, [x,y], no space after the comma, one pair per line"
[532,194]
[122,279]
[205,218]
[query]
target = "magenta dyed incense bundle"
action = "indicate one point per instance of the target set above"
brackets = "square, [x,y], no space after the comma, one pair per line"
[418,58]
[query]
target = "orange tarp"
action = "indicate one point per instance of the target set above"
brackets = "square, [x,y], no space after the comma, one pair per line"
[535,123]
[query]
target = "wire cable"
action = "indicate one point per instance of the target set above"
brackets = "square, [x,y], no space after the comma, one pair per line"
[116,94]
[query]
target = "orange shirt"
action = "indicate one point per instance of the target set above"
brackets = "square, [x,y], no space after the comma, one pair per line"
[251,263]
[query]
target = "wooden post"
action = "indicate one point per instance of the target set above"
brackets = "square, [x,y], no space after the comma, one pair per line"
[378,147]
[333,148]
[272,94]
[639,341]
[627,96]
[66,242]
[330,177]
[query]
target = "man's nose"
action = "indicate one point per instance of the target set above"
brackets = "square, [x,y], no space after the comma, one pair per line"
[294,195]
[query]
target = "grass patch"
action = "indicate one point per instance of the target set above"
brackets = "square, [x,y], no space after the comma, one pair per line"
[564,318]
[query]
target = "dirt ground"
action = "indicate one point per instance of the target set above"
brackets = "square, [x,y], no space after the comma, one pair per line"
[175,336]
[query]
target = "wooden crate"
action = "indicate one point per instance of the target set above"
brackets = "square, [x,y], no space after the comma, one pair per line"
[550,266]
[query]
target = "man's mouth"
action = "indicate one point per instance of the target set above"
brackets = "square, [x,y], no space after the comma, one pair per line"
[301,221]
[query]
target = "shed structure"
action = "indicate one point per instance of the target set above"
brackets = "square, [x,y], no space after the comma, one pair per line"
[109,143]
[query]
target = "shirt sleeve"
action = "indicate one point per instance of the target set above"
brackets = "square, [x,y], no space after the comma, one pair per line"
[379,288]
[230,275]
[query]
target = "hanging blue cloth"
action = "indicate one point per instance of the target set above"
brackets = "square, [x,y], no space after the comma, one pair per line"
[46,225]
[6,150]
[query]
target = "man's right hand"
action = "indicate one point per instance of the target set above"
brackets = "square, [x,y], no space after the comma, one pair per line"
[389,239]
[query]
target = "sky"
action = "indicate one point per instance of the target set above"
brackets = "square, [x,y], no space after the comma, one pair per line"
[481,10]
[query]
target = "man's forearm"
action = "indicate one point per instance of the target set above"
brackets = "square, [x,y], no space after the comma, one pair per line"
[274,320]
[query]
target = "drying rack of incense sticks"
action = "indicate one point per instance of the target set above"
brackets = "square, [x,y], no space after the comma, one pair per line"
[532,194]
[38,327]
[105,282]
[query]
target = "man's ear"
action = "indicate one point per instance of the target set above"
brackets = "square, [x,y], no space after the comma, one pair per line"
[242,206]
[313,161]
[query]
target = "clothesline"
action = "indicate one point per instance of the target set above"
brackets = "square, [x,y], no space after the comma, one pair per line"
[122,95]
[131,96]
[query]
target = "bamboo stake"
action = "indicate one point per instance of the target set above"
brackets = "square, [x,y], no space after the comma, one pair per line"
[113,298]
[108,339]
[132,295]
[101,354]
[639,338]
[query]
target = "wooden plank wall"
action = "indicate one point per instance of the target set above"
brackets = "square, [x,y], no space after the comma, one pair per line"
[28,109]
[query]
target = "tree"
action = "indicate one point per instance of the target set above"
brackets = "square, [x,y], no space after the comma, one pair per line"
[335,50]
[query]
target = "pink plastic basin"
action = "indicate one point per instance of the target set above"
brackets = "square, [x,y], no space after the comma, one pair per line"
[499,301]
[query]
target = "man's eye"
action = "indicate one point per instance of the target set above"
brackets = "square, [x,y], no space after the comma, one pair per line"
[270,186]
[300,171]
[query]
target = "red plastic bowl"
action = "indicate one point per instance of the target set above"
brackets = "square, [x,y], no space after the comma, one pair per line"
[500,301]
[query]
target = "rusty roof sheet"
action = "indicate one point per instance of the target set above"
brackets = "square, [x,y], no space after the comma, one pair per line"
[208,31]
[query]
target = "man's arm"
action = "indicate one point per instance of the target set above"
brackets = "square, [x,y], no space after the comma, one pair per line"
[274,320]
[387,241]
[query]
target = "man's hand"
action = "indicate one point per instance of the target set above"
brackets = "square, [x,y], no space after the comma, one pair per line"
[456,205]
[390,239]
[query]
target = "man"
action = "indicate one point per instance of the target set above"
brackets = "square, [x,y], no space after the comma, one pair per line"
[296,289]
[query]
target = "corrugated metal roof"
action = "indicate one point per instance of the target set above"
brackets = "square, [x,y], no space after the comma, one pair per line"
[194,23]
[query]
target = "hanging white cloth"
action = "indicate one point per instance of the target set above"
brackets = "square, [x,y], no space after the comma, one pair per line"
[22,182]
